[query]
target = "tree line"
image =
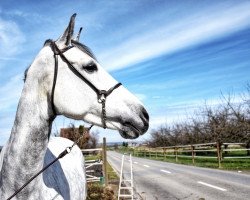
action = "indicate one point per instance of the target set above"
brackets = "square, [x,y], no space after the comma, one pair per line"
[227,122]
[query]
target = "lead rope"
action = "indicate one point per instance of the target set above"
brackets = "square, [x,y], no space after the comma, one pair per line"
[104,117]
[102,100]
[61,155]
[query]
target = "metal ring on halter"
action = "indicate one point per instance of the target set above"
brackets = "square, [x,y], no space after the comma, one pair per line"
[101,94]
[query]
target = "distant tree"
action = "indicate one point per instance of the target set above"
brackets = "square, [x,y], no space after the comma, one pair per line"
[160,137]
[124,144]
[81,136]
[93,140]
[115,146]
[227,122]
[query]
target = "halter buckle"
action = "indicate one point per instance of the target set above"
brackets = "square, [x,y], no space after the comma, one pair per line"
[102,96]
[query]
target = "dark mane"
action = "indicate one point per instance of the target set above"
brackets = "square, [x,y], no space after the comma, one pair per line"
[25,73]
[83,48]
[47,42]
[79,45]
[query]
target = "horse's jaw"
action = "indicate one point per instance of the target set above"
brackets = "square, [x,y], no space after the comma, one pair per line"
[129,135]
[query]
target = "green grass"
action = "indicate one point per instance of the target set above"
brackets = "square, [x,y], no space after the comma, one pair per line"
[93,157]
[243,164]
[111,173]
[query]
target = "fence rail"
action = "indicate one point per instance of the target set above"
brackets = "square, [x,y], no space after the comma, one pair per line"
[91,173]
[207,150]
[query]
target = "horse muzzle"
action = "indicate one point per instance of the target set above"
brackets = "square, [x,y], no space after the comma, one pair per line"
[132,129]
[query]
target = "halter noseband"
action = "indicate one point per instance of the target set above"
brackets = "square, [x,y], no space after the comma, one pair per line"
[101,94]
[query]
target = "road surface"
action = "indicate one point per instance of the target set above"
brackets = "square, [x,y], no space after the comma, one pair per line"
[168,181]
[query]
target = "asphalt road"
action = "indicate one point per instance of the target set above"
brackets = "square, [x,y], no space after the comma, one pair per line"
[162,180]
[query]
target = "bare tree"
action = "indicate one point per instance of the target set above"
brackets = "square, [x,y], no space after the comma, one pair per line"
[227,122]
[81,135]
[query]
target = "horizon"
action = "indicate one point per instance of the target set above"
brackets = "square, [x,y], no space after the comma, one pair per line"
[173,55]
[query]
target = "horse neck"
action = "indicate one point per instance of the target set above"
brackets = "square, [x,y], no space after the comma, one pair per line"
[27,145]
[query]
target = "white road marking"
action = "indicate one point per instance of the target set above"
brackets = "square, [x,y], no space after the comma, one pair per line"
[136,162]
[145,165]
[212,186]
[165,171]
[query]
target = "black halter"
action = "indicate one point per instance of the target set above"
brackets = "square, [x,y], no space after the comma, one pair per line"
[101,94]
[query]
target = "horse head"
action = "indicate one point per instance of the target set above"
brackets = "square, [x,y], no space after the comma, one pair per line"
[78,87]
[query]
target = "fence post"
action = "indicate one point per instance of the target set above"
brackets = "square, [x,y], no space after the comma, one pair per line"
[164,153]
[176,154]
[225,147]
[193,153]
[219,154]
[247,147]
[104,155]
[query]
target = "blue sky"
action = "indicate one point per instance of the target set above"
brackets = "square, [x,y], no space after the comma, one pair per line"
[174,55]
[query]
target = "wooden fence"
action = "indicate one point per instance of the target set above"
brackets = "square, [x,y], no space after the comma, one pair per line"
[207,150]
[91,173]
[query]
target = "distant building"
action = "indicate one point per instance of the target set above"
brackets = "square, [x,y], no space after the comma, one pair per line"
[133,144]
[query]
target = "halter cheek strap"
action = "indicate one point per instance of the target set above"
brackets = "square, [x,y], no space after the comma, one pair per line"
[101,94]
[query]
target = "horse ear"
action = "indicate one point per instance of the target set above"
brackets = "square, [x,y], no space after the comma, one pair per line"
[65,39]
[78,36]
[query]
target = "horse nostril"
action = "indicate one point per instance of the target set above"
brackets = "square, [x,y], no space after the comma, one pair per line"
[145,118]
[145,114]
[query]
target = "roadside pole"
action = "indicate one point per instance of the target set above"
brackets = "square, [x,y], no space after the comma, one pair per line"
[219,154]
[104,156]
[164,149]
[176,154]
[193,153]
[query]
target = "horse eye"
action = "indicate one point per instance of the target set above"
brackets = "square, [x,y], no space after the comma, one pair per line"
[91,67]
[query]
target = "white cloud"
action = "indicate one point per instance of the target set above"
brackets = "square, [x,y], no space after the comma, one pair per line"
[4,135]
[6,122]
[184,110]
[156,121]
[10,92]
[11,38]
[192,30]
[156,97]
[141,97]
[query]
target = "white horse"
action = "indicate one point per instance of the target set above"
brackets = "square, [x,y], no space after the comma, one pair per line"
[64,79]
